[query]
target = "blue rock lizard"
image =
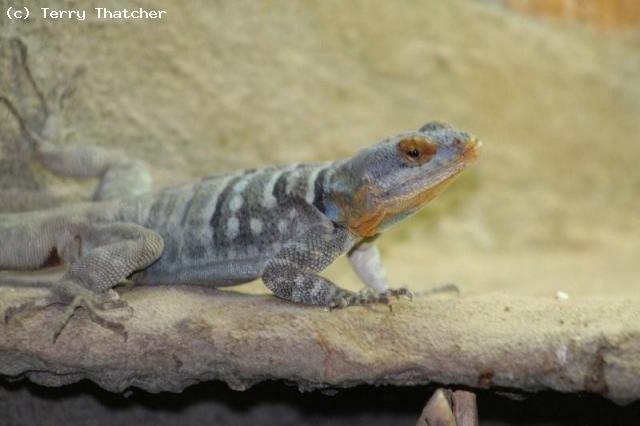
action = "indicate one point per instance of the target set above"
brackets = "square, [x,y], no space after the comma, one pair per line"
[283,224]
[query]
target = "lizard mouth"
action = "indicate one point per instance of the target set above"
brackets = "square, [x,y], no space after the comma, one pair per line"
[471,149]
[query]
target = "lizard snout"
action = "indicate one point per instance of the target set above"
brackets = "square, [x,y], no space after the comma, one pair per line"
[471,148]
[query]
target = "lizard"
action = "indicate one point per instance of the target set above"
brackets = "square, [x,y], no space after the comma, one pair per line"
[283,224]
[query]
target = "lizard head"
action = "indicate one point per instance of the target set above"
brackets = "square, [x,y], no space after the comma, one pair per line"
[387,182]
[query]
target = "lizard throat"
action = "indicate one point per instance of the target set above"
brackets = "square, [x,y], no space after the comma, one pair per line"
[368,222]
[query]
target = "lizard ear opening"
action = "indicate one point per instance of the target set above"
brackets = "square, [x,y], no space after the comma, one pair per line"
[416,151]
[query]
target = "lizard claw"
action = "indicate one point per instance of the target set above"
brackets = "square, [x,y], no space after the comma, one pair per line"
[399,292]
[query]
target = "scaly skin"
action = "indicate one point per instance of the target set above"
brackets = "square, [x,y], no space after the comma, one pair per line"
[282,224]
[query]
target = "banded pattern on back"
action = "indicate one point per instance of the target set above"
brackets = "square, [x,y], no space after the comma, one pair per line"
[242,217]
[256,210]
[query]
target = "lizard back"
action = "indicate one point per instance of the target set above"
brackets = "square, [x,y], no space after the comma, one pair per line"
[223,229]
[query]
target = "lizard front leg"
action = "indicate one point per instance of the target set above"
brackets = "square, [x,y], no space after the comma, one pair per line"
[293,272]
[367,264]
[100,257]
[365,261]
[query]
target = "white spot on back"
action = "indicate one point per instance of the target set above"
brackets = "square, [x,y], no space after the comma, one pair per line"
[236,202]
[282,226]
[236,199]
[232,228]
[198,232]
[256,226]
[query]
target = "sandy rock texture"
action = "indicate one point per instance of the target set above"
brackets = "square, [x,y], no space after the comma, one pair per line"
[182,335]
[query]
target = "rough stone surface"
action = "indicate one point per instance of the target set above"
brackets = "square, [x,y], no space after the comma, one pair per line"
[183,335]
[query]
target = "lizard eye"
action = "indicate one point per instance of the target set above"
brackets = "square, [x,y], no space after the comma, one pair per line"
[416,150]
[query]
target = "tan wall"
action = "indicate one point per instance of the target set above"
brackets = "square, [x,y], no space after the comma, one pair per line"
[606,14]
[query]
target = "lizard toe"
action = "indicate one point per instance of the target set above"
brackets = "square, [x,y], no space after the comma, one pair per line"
[399,292]
[97,312]
[114,325]
[110,300]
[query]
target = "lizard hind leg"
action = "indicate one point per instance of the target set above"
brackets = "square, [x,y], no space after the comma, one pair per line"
[110,253]
[109,312]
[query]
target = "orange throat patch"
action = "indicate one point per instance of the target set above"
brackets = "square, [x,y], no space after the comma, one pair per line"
[366,221]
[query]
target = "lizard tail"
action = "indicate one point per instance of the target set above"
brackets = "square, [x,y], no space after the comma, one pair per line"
[23,283]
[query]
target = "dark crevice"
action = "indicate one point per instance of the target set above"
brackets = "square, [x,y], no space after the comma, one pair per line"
[277,404]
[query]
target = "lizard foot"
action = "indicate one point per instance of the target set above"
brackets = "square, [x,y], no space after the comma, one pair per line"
[368,296]
[97,310]
[105,309]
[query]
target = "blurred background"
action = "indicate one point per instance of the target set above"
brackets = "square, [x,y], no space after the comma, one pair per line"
[552,87]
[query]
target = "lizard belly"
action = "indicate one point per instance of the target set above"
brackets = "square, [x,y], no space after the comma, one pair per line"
[215,273]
